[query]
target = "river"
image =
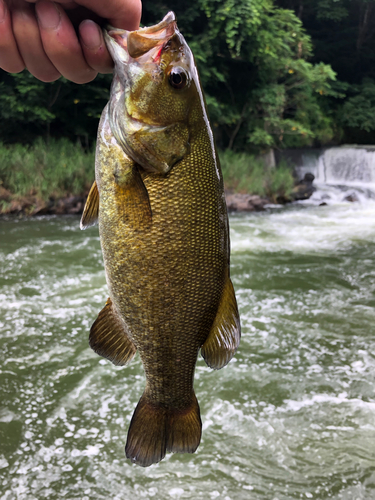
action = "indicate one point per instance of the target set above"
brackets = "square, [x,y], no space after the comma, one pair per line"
[291,417]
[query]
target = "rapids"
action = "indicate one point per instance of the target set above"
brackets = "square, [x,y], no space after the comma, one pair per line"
[291,417]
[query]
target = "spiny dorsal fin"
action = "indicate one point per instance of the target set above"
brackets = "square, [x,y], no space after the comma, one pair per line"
[224,337]
[108,337]
[91,210]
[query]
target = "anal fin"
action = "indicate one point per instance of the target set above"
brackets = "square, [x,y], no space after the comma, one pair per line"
[108,337]
[91,210]
[224,337]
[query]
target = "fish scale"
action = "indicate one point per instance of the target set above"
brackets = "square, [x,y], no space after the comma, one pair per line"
[163,228]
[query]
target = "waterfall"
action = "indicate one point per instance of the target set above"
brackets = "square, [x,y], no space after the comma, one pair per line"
[348,166]
[342,174]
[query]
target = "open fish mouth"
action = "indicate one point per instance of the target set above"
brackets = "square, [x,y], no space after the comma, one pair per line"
[145,44]
[152,65]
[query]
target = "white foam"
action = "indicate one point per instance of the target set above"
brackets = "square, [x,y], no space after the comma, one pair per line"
[311,229]
[295,406]
[176,492]
[3,462]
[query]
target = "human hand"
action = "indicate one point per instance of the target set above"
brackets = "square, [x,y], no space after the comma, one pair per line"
[40,36]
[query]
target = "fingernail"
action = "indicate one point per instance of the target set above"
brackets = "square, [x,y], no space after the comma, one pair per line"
[48,15]
[2,11]
[91,34]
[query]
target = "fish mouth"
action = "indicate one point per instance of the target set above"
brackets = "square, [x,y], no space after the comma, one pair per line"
[139,58]
[144,45]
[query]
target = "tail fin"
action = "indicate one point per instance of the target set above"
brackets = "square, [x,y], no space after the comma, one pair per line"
[155,430]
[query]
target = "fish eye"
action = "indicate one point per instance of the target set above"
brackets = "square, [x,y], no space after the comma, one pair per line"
[178,78]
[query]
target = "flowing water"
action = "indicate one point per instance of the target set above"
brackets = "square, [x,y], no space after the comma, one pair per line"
[291,417]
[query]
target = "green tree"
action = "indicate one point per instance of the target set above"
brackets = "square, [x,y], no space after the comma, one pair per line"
[30,108]
[254,59]
[343,35]
[357,115]
[261,90]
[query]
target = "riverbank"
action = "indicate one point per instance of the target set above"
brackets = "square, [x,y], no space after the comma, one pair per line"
[33,206]
[45,178]
[55,178]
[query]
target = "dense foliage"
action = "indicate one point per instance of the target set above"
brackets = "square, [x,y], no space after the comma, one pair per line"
[277,73]
[30,108]
[41,172]
[253,58]
[343,35]
[246,173]
[46,171]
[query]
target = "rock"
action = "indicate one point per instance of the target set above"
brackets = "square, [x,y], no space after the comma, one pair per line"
[40,208]
[19,205]
[304,189]
[309,178]
[68,205]
[283,200]
[237,202]
[31,205]
[5,195]
[352,197]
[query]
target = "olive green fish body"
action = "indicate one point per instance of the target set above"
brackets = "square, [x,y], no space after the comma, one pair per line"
[167,277]
[164,234]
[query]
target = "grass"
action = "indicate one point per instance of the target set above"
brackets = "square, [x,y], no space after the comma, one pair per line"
[246,173]
[61,168]
[52,170]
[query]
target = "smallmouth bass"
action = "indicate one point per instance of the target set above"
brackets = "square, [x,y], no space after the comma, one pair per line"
[159,200]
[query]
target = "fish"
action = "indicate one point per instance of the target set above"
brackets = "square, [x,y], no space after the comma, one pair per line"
[159,201]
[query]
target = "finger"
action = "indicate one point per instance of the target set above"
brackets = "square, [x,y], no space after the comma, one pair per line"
[10,58]
[125,14]
[94,48]
[61,44]
[26,32]
[68,4]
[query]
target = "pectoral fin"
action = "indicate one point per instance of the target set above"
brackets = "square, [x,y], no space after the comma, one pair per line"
[132,198]
[91,210]
[108,337]
[224,337]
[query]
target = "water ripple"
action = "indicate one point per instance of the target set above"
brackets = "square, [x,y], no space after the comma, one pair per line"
[291,417]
